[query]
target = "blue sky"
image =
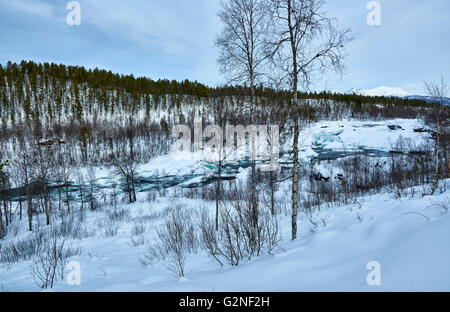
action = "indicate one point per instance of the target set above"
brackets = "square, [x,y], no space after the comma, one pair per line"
[174,39]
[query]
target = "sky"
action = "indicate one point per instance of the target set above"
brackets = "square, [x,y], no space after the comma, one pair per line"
[174,39]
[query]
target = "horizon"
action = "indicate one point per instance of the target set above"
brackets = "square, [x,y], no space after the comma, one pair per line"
[382,91]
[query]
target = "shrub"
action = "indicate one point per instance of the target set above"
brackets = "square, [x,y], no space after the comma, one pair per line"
[21,249]
[442,204]
[48,264]
[175,240]
[243,233]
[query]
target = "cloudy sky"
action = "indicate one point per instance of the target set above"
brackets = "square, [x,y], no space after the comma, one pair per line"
[174,39]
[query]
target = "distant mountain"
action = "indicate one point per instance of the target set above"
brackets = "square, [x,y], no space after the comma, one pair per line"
[396,92]
[381,91]
[428,99]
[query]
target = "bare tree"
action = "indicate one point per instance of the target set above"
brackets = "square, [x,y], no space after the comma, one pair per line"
[44,266]
[3,181]
[44,157]
[25,162]
[437,90]
[127,167]
[47,265]
[242,52]
[176,238]
[14,173]
[217,155]
[64,175]
[91,186]
[81,189]
[305,42]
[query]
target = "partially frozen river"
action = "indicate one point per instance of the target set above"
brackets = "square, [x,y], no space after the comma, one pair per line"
[324,141]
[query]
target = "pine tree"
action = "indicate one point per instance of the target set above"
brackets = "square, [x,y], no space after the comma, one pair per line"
[27,107]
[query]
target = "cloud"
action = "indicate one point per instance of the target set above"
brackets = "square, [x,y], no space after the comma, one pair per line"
[407,49]
[34,7]
[170,39]
[170,25]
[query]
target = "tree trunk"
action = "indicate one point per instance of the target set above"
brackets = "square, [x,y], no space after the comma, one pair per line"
[219,172]
[67,197]
[296,123]
[295,179]
[59,197]
[5,208]
[81,197]
[20,205]
[30,214]
[253,198]
[438,134]
[272,192]
[91,198]
[1,223]
[29,202]
[47,213]
[133,189]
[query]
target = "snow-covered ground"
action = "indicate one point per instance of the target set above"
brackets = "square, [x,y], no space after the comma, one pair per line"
[408,237]
[354,135]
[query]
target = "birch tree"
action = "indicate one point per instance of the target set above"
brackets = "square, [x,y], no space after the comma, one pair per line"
[242,53]
[3,179]
[438,91]
[26,163]
[304,42]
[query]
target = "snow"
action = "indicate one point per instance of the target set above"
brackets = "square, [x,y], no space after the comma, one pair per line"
[408,237]
[353,135]
[381,91]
